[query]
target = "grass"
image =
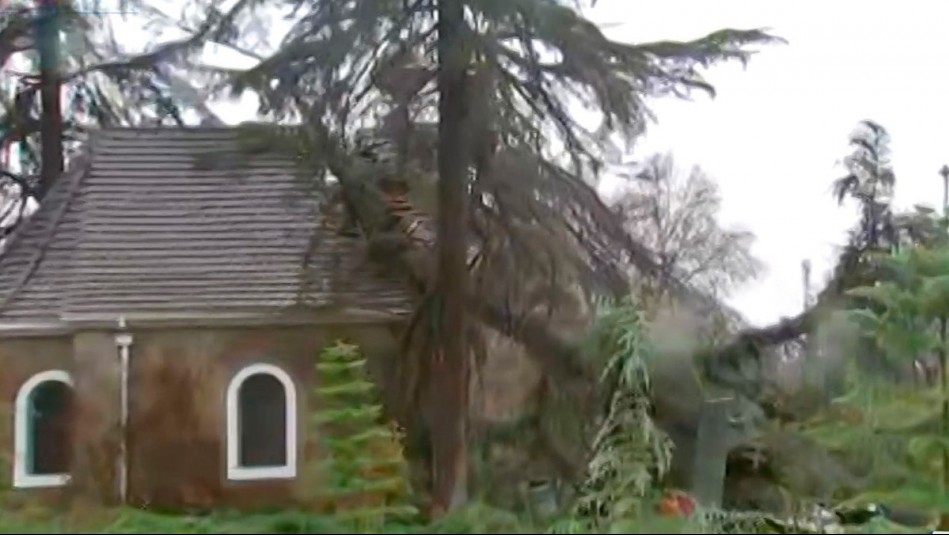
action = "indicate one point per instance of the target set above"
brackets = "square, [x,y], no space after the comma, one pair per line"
[91,519]
[139,521]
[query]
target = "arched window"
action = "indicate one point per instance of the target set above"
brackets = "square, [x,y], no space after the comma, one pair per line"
[42,430]
[261,424]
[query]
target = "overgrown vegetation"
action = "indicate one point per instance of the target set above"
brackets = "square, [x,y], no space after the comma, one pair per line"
[449,131]
[896,433]
[364,478]
[630,456]
[363,485]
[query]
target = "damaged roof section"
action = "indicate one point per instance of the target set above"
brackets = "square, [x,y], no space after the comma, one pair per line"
[139,227]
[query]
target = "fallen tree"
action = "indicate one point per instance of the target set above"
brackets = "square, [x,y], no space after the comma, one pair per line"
[371,194]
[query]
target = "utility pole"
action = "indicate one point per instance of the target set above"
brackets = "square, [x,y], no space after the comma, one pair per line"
[806,276]
[944,171]
[944,354]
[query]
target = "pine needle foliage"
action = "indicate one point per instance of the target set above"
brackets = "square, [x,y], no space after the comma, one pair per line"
[107,81]
[366,68]
[364,479]
[630,454]
[897,430]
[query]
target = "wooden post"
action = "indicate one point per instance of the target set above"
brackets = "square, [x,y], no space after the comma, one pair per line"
[714,438]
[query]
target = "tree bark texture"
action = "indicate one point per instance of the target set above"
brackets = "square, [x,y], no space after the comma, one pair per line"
[51,120]
[448,386]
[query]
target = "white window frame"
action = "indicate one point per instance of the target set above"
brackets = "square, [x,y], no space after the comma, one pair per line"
[22,478]
[235,471]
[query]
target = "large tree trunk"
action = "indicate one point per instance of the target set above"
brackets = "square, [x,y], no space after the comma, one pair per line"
[51,121]
[558,355]
[448,387]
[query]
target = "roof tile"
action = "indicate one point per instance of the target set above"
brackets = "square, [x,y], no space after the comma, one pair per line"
[144,227]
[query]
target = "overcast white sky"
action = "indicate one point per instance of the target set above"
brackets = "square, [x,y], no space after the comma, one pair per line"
[774,135]
[776,131]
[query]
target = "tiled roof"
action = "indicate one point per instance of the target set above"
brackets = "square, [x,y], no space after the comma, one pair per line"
[139,226]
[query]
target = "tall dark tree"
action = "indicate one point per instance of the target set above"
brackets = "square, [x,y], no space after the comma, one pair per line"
[533,224]
[870,181]
[451,369]
[533,221]
[51,119]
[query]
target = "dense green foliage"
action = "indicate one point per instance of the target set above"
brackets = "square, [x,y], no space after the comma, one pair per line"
[364,479]
[895,430]
[363,74]
[625,473]
[630,455]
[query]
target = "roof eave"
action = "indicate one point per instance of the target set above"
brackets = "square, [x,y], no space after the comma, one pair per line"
[70,323]
[349,315]
[18,329]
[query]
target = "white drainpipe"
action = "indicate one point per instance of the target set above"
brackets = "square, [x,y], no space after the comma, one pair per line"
[123,340]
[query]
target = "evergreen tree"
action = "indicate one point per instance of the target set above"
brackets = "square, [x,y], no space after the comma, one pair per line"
[364,477]
[506,75]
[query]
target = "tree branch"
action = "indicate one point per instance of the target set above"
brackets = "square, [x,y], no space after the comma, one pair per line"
[20,180]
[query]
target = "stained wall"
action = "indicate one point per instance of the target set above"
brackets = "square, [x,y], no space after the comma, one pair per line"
[178,380]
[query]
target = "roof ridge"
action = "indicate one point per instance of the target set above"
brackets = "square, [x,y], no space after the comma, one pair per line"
[73,176]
